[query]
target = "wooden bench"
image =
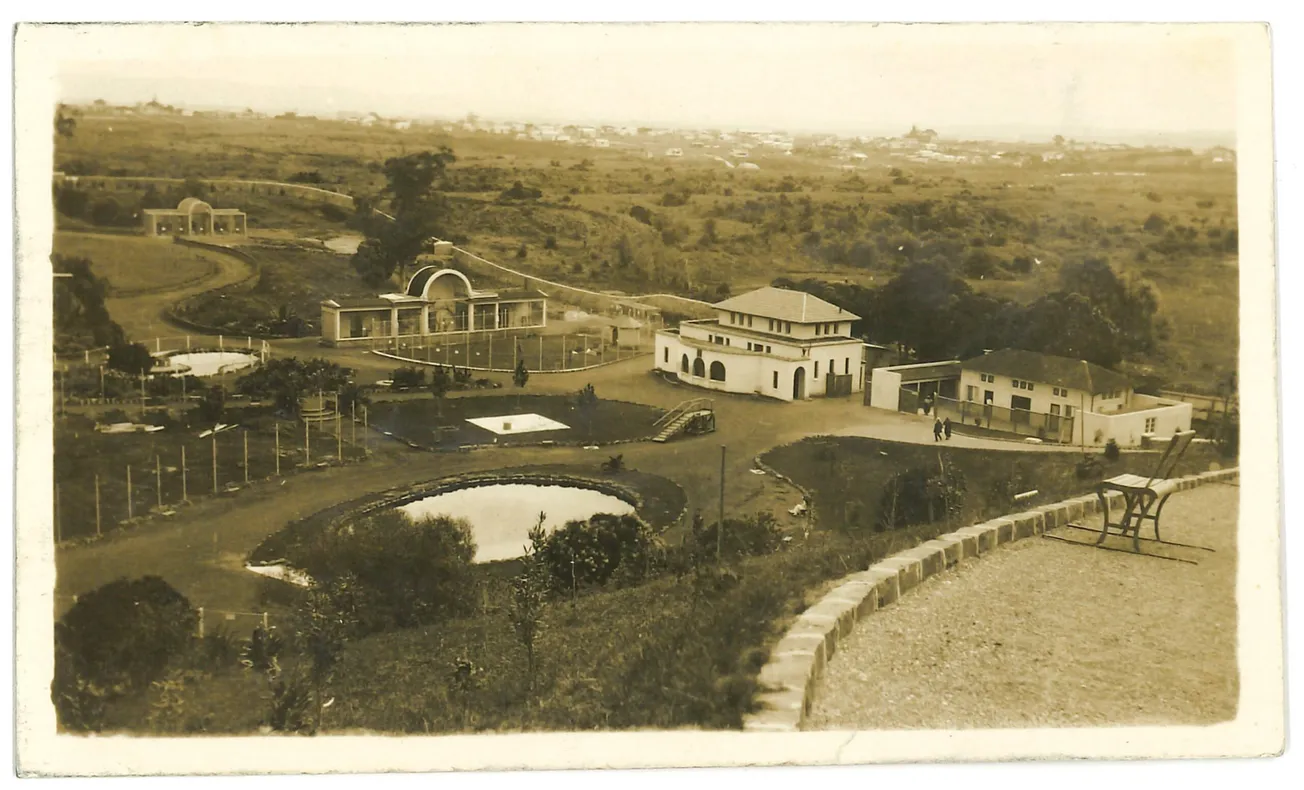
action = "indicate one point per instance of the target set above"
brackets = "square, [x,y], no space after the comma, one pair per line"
[1140,494]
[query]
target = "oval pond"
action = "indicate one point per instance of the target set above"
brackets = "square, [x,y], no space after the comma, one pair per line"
[502,514]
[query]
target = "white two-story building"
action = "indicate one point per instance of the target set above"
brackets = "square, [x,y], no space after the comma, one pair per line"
[772,342]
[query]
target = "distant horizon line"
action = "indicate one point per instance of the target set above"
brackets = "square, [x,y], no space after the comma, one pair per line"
[978,133]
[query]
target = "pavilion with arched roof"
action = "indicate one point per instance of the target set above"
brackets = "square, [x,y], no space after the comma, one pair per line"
[437,300]
[194,217]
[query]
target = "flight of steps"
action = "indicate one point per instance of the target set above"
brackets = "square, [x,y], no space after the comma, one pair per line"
[674,421]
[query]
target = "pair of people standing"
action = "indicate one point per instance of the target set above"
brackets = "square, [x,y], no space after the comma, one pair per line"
[941,427]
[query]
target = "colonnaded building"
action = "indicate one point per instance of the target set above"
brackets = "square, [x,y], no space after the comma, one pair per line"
[436,301]
[773,342]
[194,217]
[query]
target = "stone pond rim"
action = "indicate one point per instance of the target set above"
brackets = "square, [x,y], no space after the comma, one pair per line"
[272,549]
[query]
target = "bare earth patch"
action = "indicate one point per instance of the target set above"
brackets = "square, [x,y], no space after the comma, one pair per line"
[1042,634]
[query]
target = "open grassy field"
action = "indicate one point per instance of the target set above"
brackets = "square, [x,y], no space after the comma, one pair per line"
[136,264]
[286,297]
[421,421]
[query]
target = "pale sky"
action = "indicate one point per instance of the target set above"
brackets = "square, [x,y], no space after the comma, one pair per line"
[1031,79]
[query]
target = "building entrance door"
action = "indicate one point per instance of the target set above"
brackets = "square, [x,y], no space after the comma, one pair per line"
[799,384]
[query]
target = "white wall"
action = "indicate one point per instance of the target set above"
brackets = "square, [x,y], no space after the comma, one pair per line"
[884,389]
[752,373]
[1041,395]
[1127,429]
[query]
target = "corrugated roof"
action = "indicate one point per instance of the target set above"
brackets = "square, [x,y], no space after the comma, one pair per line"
[786,305]
[1048,369]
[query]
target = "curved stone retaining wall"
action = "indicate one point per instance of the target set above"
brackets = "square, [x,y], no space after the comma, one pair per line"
[798,660]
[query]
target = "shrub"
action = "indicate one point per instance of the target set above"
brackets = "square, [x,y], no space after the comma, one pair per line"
[133,359]
[116,640]
[401,572]
[1089,468]
[746,537]
[921,495]
[1111,450]
[589,553]
[262,652]
[409,378]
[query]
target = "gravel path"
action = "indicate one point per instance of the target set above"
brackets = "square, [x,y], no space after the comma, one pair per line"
[1041,633]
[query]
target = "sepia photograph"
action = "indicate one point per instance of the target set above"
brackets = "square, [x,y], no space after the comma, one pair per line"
[648,395]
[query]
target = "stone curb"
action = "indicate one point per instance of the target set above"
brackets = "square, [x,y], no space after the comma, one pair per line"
[788,679]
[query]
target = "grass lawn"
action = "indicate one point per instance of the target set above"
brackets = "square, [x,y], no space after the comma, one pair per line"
[136,264]
[81,454]
[292,280]
[847,474]
[417,420]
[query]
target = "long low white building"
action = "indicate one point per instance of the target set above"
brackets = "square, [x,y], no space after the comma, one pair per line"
[772,342]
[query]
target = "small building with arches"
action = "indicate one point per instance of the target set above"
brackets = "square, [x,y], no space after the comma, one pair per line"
[437,300]
[773,342]
[194,217]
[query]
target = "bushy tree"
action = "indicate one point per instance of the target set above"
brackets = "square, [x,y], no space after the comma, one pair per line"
[418,211]
[114,641]
[287,380]
[591,553]
[402,572]
[132,359]
[81,319]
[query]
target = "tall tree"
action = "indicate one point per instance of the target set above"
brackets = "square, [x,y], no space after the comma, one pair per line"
[417,209]
[81,319]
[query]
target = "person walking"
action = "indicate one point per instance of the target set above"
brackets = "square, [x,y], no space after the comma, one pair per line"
[937,430]
[946,427]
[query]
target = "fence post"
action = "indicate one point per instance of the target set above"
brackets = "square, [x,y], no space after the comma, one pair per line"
[307,451]
[214,460]
[278,449]
[246,455]
[221,343]
[97,506]
[130,514]
[563,352]
[540,352]
[264,621]
[158,481]
[184,496]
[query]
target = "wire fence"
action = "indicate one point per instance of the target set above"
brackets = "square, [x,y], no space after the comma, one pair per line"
[121,476]
[539,353]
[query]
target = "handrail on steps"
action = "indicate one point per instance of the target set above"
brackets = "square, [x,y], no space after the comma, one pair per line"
[692,404]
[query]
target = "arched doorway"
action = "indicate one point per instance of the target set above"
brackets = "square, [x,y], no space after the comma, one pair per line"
[799,384]
[683,364]
[699,367]
[717,371]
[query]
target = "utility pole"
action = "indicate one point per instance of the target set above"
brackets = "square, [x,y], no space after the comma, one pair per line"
[719,528]
[339,434]
[307,451]
[246,455]
[184,497]
[130,514]
[97,506]
[215,461]
[366,439]
[158,481]
[278,449]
